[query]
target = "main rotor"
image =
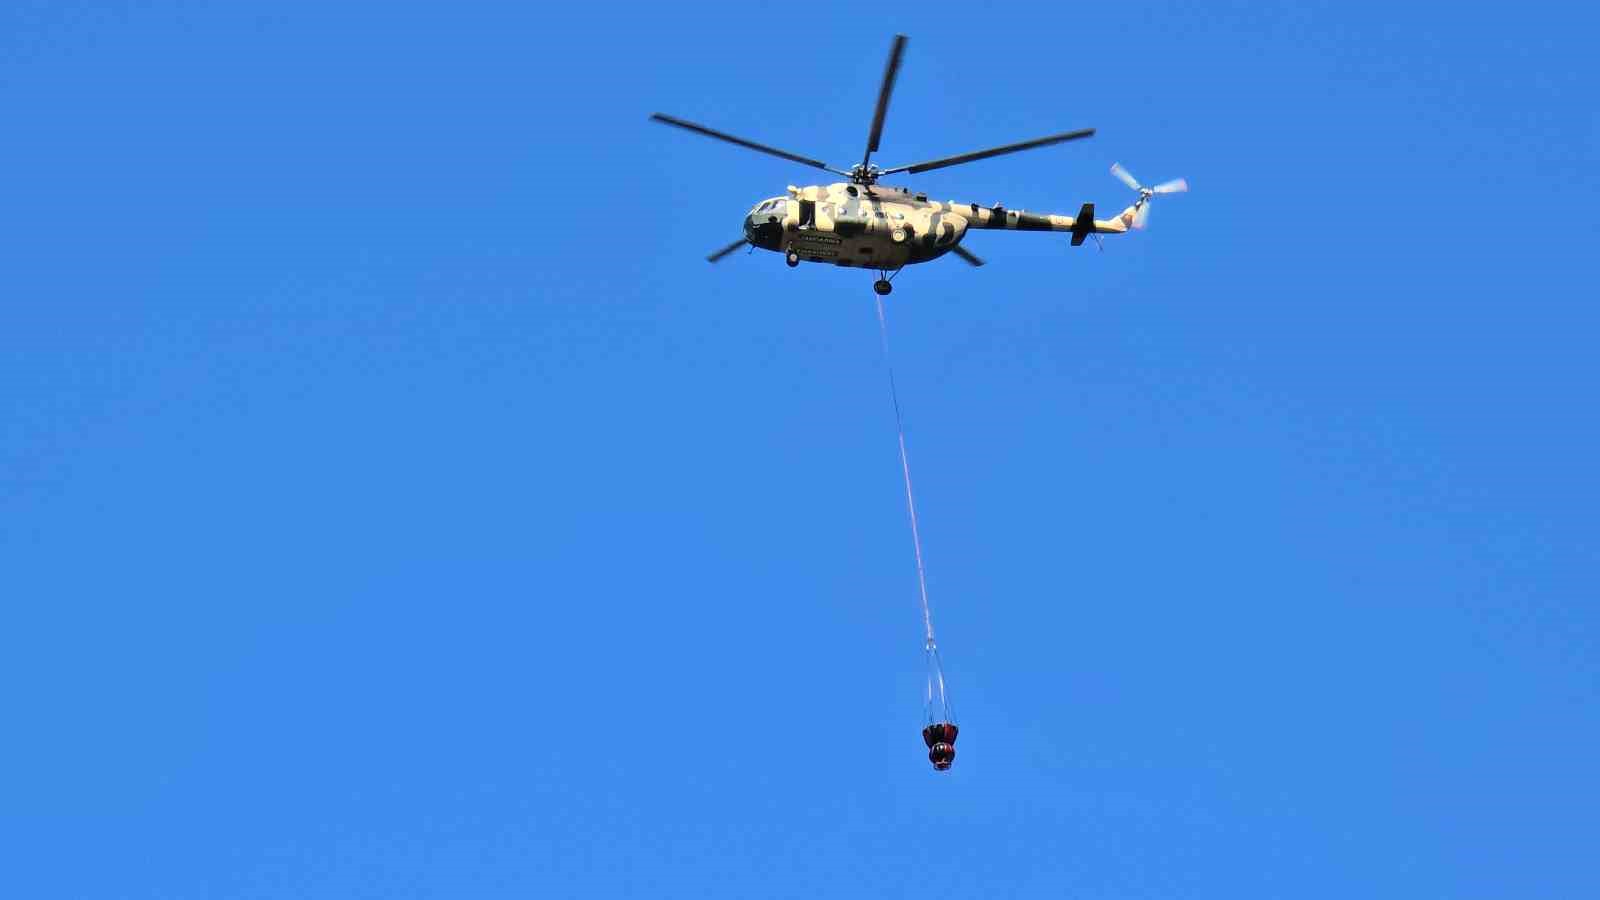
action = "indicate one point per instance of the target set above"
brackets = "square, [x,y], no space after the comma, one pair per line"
[865,173]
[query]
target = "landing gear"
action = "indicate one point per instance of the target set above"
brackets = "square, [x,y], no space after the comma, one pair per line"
[882,285]
[793,259]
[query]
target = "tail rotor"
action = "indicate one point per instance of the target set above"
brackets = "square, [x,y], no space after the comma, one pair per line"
[1141,207]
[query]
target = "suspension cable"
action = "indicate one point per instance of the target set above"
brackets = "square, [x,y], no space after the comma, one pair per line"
[905,469]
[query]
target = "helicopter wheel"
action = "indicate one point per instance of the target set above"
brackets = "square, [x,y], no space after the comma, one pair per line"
[793,259]
[883,287]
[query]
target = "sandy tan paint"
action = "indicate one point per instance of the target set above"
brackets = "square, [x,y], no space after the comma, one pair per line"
[886,227]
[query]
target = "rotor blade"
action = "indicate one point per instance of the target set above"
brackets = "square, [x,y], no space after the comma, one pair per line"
[726,250]
[1125,176]
[760,148]
[1142,216]
[1175,186]
[889,72]
[993,151]
[972,259]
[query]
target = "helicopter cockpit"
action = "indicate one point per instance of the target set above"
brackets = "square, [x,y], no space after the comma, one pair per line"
[763,226]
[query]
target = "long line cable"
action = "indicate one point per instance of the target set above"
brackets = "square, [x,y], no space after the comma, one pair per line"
[905,469]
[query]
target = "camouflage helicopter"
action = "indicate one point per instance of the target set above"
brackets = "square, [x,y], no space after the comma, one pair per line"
[862,224]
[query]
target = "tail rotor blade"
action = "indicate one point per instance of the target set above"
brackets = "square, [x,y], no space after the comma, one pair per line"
[1142,216]
[1175,186]
[726,250]
[1125,176]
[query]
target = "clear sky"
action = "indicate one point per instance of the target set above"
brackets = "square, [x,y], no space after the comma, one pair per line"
[393,503]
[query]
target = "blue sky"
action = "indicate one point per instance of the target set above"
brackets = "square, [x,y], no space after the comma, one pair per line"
[396,504]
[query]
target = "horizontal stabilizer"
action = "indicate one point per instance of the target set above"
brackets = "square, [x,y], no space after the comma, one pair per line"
[1083,225]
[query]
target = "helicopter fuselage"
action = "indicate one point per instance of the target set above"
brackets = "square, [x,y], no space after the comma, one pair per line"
[875,226]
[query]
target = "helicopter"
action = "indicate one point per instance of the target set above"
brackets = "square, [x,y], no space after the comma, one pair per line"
[862,224]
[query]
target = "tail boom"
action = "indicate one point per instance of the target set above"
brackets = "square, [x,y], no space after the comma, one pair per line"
[1118,225]
[998,218]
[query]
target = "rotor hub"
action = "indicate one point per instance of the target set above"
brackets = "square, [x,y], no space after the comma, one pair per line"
[865,174]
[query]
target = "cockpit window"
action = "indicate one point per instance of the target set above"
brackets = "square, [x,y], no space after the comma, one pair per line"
[775,206]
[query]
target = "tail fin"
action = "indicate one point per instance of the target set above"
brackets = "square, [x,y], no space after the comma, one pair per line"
[1123,221]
